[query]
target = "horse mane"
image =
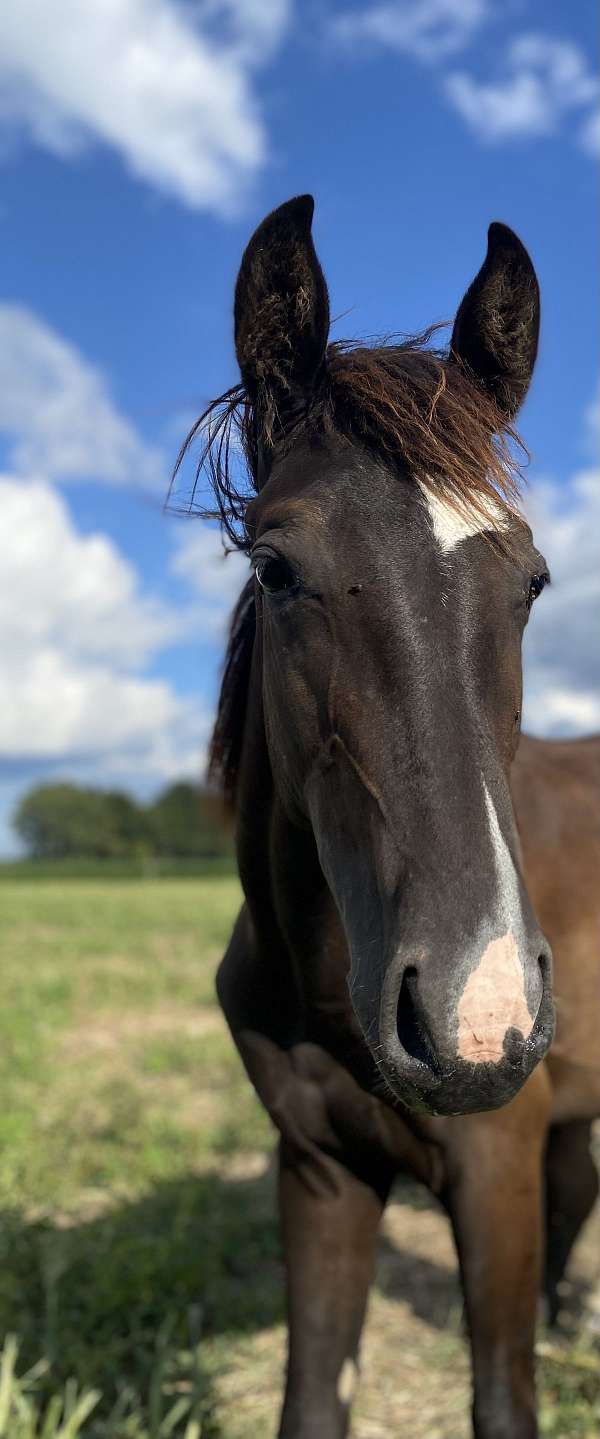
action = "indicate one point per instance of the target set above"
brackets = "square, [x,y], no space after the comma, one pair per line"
[407,402]
[225,750]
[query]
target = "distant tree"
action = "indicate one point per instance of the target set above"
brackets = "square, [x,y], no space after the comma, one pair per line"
[131,825]
[186,823]
[56,821]
[63,821]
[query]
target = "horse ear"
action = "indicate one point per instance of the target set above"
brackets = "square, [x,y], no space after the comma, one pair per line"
[497,326]
[281,310]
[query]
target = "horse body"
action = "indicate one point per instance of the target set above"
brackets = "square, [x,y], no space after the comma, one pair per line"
[388,982]
[503,1176]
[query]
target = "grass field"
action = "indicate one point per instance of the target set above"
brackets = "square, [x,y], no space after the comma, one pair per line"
[140,1274]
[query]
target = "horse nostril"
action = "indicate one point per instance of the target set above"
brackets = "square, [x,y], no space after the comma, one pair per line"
[410,1023]
[545,983]
[545,973]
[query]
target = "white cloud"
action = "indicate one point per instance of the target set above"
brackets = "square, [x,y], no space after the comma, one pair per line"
[60,588]
[543,80]
[167,86]
[589,135]
[429,30]
[52,706]
[562,644]
[215,577]
[57,410]
[75,631]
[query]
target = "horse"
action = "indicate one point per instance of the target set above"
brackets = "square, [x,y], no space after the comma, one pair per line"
[406,856]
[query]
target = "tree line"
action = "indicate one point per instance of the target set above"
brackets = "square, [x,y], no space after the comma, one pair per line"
[67,821]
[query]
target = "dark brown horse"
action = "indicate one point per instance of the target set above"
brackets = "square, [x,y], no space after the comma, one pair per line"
[387,983]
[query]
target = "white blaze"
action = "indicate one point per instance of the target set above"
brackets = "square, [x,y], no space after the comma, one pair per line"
[493,1000]
[506,874]
[450,526]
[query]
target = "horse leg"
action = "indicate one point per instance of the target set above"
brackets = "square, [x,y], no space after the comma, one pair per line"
[571,1190]
[495,1201]
[329,1219]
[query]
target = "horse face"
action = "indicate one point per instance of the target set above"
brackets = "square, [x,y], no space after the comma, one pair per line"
[390,630]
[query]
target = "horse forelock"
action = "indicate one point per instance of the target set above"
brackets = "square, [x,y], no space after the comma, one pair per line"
[405,401]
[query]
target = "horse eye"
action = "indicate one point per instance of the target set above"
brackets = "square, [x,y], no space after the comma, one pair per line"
[275,575]
[536,586]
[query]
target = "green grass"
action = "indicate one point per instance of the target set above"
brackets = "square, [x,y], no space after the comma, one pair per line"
[139,1256]
[213,866]
[21,1417]
[126,1254]
[570,1380]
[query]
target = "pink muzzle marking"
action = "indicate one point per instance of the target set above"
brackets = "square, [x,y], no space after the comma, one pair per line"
[492,1002]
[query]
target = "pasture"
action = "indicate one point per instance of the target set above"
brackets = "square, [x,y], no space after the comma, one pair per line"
[140,1270]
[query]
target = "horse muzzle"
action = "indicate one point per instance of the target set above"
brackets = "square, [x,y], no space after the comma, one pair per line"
[459,1047]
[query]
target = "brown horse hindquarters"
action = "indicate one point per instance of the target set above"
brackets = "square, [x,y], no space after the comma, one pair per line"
[556,793]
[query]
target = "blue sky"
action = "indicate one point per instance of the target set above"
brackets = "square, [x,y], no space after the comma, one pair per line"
[139,146]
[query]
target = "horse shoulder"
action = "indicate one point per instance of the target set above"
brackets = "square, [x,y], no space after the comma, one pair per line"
[314,1102]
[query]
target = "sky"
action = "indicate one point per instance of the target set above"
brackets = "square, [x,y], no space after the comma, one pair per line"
[141,141]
